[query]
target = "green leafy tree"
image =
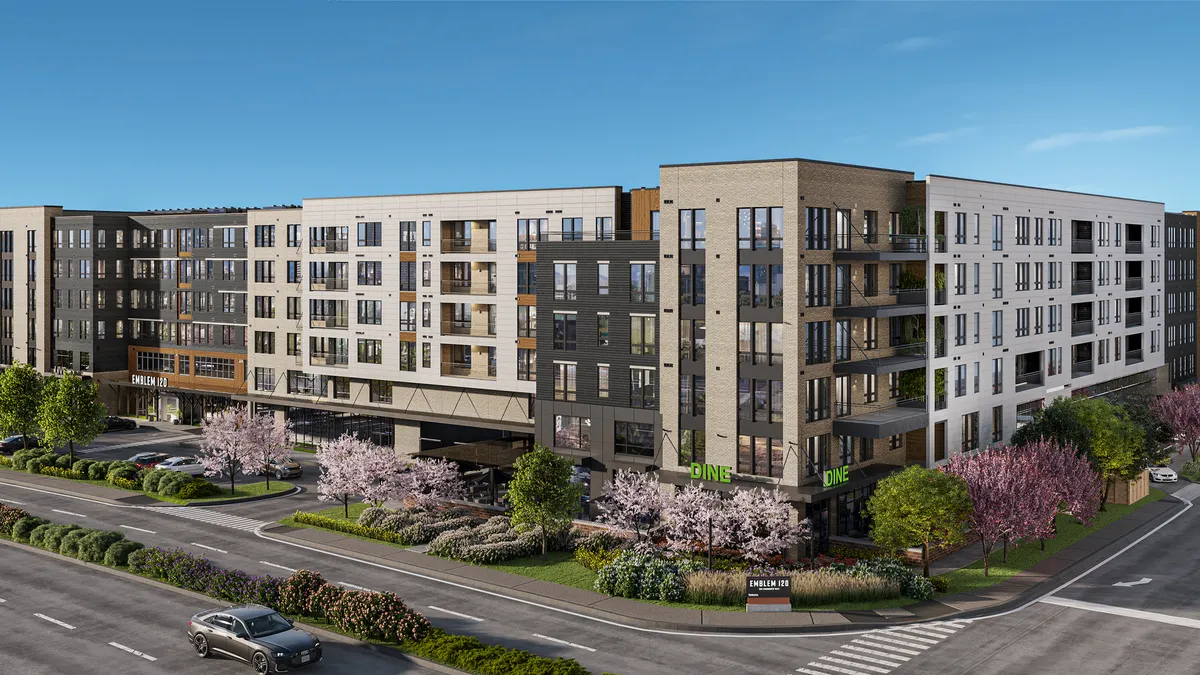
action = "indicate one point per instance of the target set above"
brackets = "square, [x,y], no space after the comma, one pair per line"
[919,507]
[71,412]
[542,494]
[20,396]
[1060,422]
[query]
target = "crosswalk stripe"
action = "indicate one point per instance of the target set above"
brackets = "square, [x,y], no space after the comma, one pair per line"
[211,517]
[806,671]
[910,634]
[137,444]
[874,652]
[940,629]
[826,666]
[886,637]
[868,659]
[856,665]
[878,645]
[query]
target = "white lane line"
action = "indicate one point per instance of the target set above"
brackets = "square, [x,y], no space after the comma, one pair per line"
[2,601]
[12,501]
[138,529]
[133,651]
[446,611]
[860,657]
[874,652]
[562,642]
[69,513]
[836,669]
[218,550]
[855,664]
[138,444]
[55,621]
[355,587]
[271,564]
[890,648]
[886,637]
[909,635]
[1122,611]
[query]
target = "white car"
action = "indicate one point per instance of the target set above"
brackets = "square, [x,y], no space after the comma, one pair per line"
[1163,474]
[188,465]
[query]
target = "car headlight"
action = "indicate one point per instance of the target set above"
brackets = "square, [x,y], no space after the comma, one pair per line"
[316,643]
[280,655]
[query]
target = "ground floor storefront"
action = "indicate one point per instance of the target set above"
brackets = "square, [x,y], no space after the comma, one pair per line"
[159,403]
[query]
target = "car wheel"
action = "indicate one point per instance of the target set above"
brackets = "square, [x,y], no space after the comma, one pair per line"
[201,645]
[261,665]
[278,475]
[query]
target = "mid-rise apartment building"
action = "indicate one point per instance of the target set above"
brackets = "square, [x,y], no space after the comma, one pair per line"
[1179,298]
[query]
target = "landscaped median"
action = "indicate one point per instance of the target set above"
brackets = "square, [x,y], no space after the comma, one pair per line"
[167,486]
[371,616]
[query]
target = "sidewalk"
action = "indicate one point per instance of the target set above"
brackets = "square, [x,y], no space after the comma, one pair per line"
[1041,578]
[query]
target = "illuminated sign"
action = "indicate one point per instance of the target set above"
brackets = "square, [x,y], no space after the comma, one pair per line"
[148,380]
[837,476]
[712,472]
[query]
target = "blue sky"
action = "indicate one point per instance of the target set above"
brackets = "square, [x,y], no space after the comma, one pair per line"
[167,105]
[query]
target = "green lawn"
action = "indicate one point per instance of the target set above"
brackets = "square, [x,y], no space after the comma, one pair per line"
[241,491]
[339,513]
[305,447]
[1028,554]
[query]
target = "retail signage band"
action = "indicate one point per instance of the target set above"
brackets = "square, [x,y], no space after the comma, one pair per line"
[837,476]
[148,380]
[720,474]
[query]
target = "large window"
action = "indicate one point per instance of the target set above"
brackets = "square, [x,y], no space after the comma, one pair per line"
[817,451]
[691,446]
[816,344]
[760,456]
[154,362]
[633,438]
[370,234]
[564,381]
[642,335]
[643,387]
[370,312]
[370,273]
[527,321]
[692,229]
[408,356]
[264,379]
[817,401]
[564,281]
[264,236]
[208,366]
[572,432]
[527,278]
[564,330]
[816,229]
[760,228]
[527,364]
[692,284]
[816,288]
[760,285]
[691,340]
[643,282]
[264,342]
[691,395]
[381,391]
[370,351]
[997,233]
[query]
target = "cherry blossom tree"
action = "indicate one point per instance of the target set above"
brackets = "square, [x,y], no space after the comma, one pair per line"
[1066,483]
[351,466]
[1180,410]
[1007,504]
[428,482]
[228,443]
[690,519]
[378,473]
[634,501]
[273,444]
[759,523]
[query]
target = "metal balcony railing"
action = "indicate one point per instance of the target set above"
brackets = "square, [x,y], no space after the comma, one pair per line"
[456,328]
[1133,356]
[466,245]
[1029,379]
[1080,368]
[908,243]
[1081,246]
[1133,283]
[328,284]
[467,287]
[1083,287]
[328,246]
[1083,327]
[328,359]
[1133,319]
[1133,246]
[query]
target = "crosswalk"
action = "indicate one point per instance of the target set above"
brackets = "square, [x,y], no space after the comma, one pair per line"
[137,444]
[1188,493]
[211,517]
[881,652]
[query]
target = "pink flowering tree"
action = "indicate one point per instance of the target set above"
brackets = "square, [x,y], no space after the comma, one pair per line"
[759,523]
[1067,483]
[351,466]
[1180,410]
[691,518]
[1007,503]
[273,443]
[634,501]
[378,472]
[228,443]
[428,482]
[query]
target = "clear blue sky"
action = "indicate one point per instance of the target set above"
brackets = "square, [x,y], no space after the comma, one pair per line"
[157,105]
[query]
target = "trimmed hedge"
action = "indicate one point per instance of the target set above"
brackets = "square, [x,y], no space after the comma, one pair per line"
[198,489]
[82,466]
[472,654]
[150,480]
[24,527]
[69,546]
[61,472]
[117,555]
[125,483]
[338,525]
[169,484]
[98,470]
[93,547]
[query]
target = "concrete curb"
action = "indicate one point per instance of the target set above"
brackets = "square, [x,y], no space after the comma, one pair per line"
[319,632]
[55,488]
[852,620]
[296,489]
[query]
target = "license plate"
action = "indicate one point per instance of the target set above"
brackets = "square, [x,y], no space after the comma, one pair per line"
[306,658]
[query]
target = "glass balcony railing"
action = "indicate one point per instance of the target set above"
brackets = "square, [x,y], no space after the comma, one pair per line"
[328,246]
[328,284]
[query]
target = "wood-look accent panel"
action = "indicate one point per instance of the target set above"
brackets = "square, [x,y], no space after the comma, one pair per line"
[408,296]
[527,343]
[408,337]
[526,256]
[526,300]
[176,381]
[408,256]
[642,202]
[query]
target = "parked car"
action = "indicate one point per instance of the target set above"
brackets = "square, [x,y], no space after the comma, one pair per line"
[14,443]
[114,423]
[188,465]
[256,635]
[1163,474]
[282,469]
[148,460]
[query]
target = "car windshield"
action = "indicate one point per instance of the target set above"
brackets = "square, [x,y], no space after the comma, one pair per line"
[267,625]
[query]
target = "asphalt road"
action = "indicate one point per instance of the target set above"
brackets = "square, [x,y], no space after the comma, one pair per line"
[62,618]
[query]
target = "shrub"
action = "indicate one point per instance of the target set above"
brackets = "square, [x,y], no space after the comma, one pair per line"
[198,489]
[1190,470]
[941,584]
[8,516]
[117,555]
[170,484]
[641,576]
[82,466]
[20,457]
[5,461]
[98,471]
[63,461]
[370,517]
[36,464]
[52,540]
[454,543]
[499,551]
[595,559]
[38,534]
[24,526]
[323,600]
[378,616]
[151,479]
[601,539]
[93,547]
[911,583]
[125,483]
[61,472]
[468,652]
[297,591]
[69,545]
[339,525]
[122,469]
[395,521]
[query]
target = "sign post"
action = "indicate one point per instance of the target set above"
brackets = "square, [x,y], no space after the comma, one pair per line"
[768,594]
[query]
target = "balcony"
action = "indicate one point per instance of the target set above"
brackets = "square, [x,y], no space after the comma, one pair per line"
[1082,287]
[1133,246]
[329,246]
[1133,283]
[882,361]
[469,328]
[328,359]
[1133,356]
[468,245]
[328,284]
[841,297]
[328,321]
[466,369]
[1083,327]
[939,296]
[467,287]
[1029,380]
[909,301]
[1081,246]
[899,247]
[1081,368]
[884,421]
[1133,319]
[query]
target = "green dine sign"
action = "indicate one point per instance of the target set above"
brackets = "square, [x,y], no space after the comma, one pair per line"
[836,476]
[713,472]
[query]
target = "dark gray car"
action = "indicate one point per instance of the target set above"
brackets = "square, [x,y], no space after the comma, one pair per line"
[255,634]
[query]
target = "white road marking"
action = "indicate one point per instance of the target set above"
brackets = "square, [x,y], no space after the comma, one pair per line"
[138,529]
[956,624]
[138,444]
[806,671]
[940,629]
[12,501]
[133,651]
[355,587]
[887,637]
[911,634]
[55,621]
[1139,582]
[855,664]
[1122,611]
[210,517]
[836,669]
[69,513]
[2,601]
[874,652]
[446,611]
[890,648]
[218,550]
[562,642]
[271,564]
[868,659]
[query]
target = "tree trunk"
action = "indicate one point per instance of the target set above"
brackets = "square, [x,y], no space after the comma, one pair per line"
[925,557]
[1005,548]
[544,537]
[232,490]
[72,446]
[987,555]
[267,473]
[1043,540]
[346,505]
[1107,484]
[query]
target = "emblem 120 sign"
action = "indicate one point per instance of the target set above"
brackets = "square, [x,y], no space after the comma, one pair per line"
[768,594]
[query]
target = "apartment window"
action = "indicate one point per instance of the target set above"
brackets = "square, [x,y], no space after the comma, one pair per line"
[1022,276]
[293,271]
[602,381]
[264,271]
[997,328]
[960,330]
[760,456]
[870,388]
[1022,230]
[870,280]
[370,312]
[816,285]
[426,232]
[692,229]
[643,284]
[572,229]
[264,342]
[997,280]
[817,400]
[691,340]
[526,321]
[1037,231]
[604,228]
[870,233]
[603,332]
[643,387]
[761,228]
[264,236]
[1023,322]
[997,376]
[573,433]
[408,236]
[841,340]
[264,379]
[526,278]
[426,274]
[530,231]
[293,235]
[998,424]
[691,446]
[997,233]
[841,230]
[960,228]
[564,330]
[816,231]
[816,344]
[633,438]
[691,395]
[527,364]
[1037,320]
[370,273]
[602,278]
[564,281]
[642,335]
[817,451]
[1038,273]
[370,351]
[426,315]
[264,305]
[381,391]
[208,366]
[960,278]
[960,380]
[426,355]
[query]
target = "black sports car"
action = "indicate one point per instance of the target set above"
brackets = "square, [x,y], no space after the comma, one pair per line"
[255,634]
[114,423]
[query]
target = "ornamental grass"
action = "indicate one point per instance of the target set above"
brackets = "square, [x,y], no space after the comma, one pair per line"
[821,587]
